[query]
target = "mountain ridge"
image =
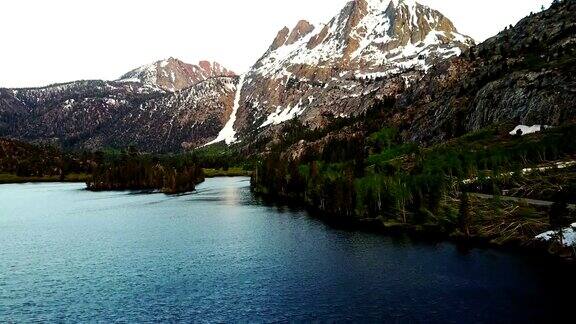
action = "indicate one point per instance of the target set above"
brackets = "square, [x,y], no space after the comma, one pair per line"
[384,48]
[174,75]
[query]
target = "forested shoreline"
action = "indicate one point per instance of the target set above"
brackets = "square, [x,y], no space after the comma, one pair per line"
[376,180]
[24,162]
[383,181]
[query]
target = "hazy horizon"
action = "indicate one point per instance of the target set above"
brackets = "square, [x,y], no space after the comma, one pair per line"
[67,40]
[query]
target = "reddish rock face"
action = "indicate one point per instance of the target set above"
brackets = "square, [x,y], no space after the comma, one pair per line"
[174,75]
[280,39]
[302,29]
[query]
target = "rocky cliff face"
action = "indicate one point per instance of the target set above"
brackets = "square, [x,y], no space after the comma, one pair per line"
[174,75]
[370,50]
[524,75]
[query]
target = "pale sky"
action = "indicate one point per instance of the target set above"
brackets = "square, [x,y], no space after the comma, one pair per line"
[49,41]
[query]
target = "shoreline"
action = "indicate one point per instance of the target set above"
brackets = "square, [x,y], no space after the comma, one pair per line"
[231,172]
[40,180]
[8,178]
[546,251]
[425,232]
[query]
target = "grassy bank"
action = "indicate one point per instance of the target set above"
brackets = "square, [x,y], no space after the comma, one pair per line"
[73,177]
[230,172]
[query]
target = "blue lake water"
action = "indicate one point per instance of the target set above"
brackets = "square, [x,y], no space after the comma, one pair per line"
[220,255]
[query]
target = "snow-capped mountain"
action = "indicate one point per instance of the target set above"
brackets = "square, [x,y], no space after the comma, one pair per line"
[173,75]
[367,36]
[311,71]
[371,50]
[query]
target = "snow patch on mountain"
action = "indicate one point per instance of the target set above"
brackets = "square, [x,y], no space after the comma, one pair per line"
[283,115]
[228,134]
[526,130]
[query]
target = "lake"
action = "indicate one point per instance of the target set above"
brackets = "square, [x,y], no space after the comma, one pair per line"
[221,255]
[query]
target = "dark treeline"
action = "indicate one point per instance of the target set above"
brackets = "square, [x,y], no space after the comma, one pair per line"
[221,156]
[28,160]
[102,170]
[130,170]
[115,169]
[171,173]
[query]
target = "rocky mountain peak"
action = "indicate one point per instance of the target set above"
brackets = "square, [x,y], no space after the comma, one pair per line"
[174,75]
[368,36]
[286,36]
[280,39]
[302,29]
[372,49]
[376,30]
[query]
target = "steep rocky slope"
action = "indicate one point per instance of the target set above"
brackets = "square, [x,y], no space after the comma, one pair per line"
[174,75]
[524,75]
[165,106]
[96,114]
[370,50]
[184,120]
